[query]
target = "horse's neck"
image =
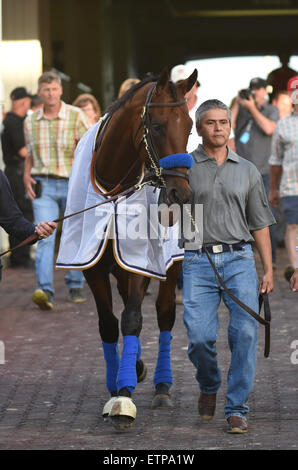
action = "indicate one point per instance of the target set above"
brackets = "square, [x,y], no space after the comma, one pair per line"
[117,154]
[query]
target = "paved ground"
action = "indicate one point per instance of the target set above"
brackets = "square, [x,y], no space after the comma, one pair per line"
[52,383]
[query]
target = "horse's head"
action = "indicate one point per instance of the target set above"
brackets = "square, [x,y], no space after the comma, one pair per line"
[167,126]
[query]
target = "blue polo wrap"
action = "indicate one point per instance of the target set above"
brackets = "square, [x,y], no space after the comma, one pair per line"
[182,160]
[127,375]
[163,371]
[111,355]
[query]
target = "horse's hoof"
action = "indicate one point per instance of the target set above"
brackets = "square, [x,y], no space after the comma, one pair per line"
[141,369]
[161,400]
[123,413]
[162,397]
[108,407]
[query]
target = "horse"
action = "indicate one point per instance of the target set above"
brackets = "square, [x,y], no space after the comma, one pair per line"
[147,125]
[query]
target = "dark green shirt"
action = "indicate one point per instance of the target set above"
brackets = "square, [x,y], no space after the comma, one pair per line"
[233,198]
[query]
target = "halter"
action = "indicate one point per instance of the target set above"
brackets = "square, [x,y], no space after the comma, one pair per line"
[156,169]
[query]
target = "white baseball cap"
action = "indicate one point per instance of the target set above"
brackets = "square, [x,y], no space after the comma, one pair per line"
[181,72]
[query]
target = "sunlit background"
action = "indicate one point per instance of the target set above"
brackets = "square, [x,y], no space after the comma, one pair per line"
[222,78]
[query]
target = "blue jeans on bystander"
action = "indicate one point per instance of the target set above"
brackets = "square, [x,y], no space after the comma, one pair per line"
[53,198]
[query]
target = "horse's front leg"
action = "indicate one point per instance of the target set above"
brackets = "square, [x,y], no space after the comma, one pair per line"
[166,314]
[123,412]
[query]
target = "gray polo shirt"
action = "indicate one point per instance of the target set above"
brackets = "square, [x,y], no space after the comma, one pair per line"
[257,149]
[233,197]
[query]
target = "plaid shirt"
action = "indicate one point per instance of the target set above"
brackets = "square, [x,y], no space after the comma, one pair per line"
[285,153]
[52,142]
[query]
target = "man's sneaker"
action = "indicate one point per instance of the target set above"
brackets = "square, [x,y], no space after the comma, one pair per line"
[77,296]
[44,299]
[207,405]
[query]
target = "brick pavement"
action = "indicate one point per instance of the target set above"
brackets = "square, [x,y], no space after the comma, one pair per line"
[52,383]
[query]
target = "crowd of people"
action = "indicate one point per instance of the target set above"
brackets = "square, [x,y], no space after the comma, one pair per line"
[245,173]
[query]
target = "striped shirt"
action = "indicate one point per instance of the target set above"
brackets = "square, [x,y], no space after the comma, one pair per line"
[52,142]
[285,153]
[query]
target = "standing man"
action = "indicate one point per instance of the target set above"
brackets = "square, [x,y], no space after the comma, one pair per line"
[255,120]
[14,154]
[52,134]
[284,170]
[236,213]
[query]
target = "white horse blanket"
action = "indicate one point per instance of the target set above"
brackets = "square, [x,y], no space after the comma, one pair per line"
[141,244]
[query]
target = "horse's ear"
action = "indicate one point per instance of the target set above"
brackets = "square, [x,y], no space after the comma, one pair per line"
[188,83]
[162,81]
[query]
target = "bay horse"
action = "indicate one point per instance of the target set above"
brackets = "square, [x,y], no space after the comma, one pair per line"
[149,123]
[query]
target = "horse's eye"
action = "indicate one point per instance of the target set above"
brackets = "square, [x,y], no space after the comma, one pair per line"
[156,126]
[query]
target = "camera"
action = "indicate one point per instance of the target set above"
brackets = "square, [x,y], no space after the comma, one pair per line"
[245,93]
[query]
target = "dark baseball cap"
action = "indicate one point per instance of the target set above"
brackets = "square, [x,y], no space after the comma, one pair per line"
[257,83]
[19,93]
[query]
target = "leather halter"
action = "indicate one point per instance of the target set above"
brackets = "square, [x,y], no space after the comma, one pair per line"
[155,170]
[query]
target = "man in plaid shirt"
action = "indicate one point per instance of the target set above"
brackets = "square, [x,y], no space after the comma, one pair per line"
[284,169]
[51,134]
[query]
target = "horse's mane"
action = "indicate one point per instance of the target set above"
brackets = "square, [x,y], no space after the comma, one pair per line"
[131,91]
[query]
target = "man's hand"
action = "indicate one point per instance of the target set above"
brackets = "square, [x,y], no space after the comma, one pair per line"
[294,281]
[267,283]
[28,182]
[45,229]
[247,104]
[274,198]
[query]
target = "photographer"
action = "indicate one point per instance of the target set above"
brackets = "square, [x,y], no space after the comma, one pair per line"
[254,121]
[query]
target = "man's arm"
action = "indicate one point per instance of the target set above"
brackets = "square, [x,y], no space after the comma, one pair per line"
[23,152]
[275,175]
[267,125]
[263,243]
[28,180]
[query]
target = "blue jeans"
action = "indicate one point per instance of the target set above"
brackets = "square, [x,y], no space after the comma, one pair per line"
[201,297]
[53,198]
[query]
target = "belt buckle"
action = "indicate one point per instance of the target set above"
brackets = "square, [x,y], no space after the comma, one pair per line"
[217,248]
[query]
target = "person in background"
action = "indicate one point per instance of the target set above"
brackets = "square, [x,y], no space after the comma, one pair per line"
[126,85]
[178,73]
[181,72]
[254,121]
[90,106]
[51,134]
[14,155]
[279,78]
[36,103]
[13,221]
[283,102]
[284,174]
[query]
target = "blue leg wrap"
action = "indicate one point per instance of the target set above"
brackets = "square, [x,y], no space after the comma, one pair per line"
[163,371]
[111,355]
[127,375]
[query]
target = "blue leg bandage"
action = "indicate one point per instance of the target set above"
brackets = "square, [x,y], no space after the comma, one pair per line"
[163,371]
[111,355]
[127,375]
